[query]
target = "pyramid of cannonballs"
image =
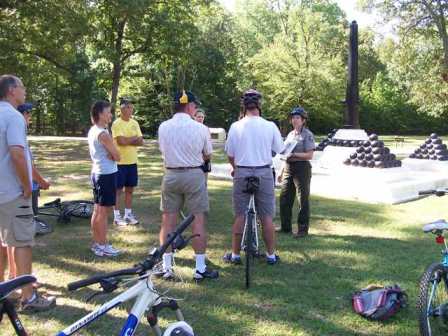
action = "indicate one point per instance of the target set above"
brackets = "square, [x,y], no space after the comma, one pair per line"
[432,149]
[325,142]
[373,154]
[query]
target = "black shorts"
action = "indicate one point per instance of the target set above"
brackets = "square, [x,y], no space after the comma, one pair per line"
[104,189]
[127,176]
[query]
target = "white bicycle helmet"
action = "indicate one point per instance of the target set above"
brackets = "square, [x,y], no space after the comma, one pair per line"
[180,328]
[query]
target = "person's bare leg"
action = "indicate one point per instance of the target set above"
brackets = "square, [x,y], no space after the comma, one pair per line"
[128,191]
[99,224]
[168,225]
[12,270]
[198,227]
[118,199]
[237,234]
[23,257]
[3,256]
[268,233]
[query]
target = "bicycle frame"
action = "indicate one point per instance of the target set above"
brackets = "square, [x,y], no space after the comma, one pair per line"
[145,295]
[430,310]
[250,209]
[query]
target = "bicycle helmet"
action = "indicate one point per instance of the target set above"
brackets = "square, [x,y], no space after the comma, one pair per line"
[299,111]
[251,98]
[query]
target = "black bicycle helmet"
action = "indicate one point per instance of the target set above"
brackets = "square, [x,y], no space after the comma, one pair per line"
[251,98]
[300,111]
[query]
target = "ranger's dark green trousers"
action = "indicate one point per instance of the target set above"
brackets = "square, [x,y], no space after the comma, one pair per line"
[296,182]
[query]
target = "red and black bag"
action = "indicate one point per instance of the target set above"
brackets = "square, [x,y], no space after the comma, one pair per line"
[379,303]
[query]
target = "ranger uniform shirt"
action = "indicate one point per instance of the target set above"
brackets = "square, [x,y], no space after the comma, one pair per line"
[305,140]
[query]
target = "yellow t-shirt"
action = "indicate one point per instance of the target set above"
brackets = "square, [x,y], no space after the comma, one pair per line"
[126,129]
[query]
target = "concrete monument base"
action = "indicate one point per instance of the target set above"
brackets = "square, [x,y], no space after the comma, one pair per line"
[332,179]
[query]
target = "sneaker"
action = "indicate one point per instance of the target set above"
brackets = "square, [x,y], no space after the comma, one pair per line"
[272,261]
[104,250]
[109,249]
[227,258]
[207,274]
[131,219]
[119,221]
[39,303]
[166,275]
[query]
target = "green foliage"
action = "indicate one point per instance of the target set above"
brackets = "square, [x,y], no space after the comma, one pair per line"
[70,53]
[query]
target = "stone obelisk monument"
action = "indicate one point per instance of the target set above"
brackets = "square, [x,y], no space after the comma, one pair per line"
[351,117]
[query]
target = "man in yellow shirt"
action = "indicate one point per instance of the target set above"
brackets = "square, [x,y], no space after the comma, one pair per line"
[127,137]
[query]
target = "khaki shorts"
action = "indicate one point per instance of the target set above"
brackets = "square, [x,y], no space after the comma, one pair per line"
[264,197]
[16,223]
[184,188]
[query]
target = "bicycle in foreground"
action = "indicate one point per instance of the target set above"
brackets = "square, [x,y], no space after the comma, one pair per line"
[146,298]
[432,303]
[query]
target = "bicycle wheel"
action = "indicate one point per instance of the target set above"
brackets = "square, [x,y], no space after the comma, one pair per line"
[249,246]
[432,303]
[80,209]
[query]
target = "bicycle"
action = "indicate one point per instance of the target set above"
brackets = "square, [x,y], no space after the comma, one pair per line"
[249,241]
[147,298]
[66,210]
[432,303]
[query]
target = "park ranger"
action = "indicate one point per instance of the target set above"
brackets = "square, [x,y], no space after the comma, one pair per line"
[295,176]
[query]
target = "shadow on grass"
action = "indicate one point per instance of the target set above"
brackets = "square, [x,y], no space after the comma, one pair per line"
[306,294]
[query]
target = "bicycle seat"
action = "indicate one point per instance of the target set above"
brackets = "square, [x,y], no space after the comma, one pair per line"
[252,184]
[8,286]
[438,225]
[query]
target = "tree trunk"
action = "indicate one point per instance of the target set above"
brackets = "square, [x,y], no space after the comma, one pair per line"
[117,65]
[444,37]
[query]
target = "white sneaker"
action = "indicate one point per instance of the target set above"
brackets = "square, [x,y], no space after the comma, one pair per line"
[110,250]
[131,219]
[120,221]
[97,249]
[169,275]
[104,250]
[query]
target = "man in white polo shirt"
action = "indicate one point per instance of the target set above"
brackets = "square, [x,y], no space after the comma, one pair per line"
[185,145]
[249,147]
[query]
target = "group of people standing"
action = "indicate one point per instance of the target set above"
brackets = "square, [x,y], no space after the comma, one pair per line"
[186,147]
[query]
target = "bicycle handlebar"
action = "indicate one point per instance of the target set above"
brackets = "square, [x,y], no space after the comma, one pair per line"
[97,278]
[440,192]
[426,192]
[141,268]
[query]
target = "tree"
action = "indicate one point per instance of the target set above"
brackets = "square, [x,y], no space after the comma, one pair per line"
[423,16]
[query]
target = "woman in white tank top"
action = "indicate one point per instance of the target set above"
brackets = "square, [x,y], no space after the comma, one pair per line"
[104,157]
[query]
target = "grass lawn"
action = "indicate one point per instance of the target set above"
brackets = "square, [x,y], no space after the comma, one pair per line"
[351,245]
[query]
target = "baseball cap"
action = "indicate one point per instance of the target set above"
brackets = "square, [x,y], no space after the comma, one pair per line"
[25,108]
[126,101]
[185,97]
[300,111]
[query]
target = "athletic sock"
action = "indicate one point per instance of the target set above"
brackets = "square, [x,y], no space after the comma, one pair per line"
[116,214]
[200,263]
[270,256]
[127,212]
[167,261]
[235,256]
